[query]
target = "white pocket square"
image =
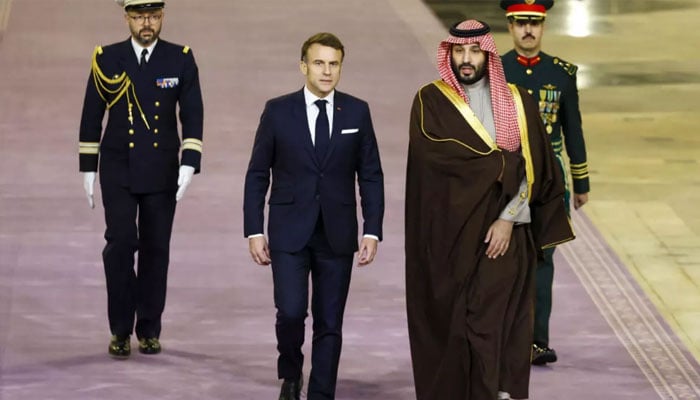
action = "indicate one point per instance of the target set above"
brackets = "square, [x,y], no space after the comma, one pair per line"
[349,131]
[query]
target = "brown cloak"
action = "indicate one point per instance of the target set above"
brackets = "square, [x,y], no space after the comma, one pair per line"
[463,308]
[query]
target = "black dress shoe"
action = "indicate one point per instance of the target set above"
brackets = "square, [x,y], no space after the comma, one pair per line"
[291,389]
[149,346]
[543,355]
[119,347]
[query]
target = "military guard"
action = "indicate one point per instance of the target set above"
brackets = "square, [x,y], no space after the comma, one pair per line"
[552,81]
[144,166]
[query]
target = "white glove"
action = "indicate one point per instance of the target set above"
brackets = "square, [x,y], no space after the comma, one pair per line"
[89,185]
[184,178]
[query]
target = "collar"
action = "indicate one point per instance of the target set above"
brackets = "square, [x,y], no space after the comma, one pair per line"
[138,48]
[528,62]
[481,84]
[311,98]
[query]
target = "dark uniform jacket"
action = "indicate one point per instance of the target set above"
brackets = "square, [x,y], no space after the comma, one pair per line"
[552,82]
[140,145]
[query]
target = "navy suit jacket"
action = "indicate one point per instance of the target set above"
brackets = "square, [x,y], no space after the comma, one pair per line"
[304,188]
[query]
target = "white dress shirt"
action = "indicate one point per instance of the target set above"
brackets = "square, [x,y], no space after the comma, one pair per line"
[312,111]
[138,49]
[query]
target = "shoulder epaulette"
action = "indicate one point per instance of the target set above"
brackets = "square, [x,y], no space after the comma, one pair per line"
[569,68]
[186,49]
[98,50]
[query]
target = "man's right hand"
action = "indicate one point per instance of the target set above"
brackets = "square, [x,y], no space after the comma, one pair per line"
[580,199]
[89,186]
[498,238]
[259,250]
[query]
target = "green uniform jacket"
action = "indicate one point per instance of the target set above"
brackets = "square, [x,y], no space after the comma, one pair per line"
[552,82]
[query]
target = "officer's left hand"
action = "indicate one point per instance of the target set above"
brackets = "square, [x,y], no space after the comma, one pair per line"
[580,199]
[184,178]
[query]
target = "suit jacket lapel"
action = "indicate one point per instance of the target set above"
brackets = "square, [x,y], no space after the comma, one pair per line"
[302,121]
[155,52]
[128,60]
[338,123]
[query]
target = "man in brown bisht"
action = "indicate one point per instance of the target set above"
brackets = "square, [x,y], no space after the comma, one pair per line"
[482,195]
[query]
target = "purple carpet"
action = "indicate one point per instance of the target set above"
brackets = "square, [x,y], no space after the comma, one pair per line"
[218,330]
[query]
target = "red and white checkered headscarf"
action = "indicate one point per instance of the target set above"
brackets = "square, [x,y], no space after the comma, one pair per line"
[504,112]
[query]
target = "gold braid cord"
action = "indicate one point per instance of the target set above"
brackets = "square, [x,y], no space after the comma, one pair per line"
[122,86]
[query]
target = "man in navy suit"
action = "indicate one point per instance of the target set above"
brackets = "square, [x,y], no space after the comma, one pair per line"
[141,81]
[317,142]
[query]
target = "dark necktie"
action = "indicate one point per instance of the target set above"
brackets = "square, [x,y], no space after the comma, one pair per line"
[322,130]
[142,61]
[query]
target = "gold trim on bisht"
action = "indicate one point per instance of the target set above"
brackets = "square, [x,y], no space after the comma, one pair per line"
[524,139]
[466,112]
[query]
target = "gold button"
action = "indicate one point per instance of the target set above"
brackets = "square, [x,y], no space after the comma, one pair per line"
[155,130]
[131,131]
[156,117]
[155,145]
[157,103]
[522,195]
[528,71]
[529,91]
[131,145]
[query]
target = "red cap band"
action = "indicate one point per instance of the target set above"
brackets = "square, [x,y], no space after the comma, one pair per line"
[531,9]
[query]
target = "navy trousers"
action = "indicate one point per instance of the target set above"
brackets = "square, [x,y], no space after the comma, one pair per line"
[330,279]
[136,223]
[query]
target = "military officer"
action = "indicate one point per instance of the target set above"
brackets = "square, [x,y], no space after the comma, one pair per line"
[144,166]
[552,81]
